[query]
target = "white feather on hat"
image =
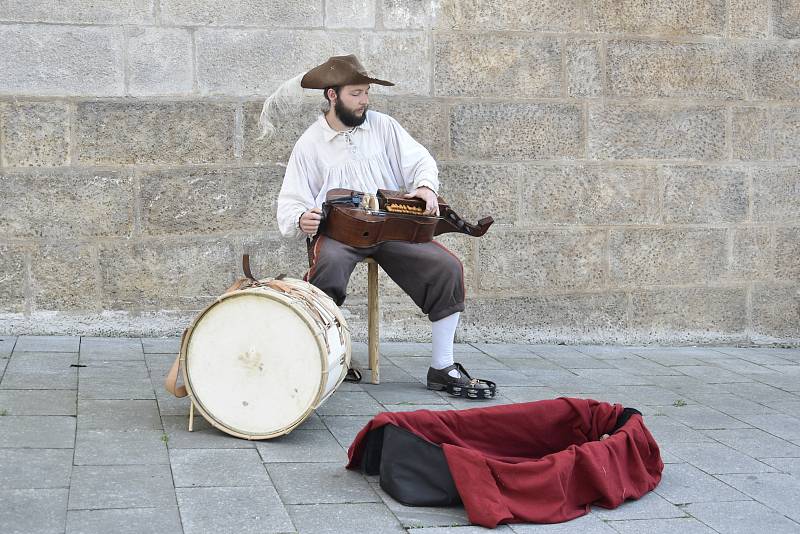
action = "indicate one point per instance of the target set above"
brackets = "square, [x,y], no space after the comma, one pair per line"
[287,98]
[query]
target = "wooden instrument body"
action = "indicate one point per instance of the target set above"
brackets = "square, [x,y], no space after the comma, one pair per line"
[345,221]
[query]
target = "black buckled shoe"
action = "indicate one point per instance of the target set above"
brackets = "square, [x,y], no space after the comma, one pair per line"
[463,386]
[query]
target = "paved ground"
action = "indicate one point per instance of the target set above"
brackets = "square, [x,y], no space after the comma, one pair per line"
[103,448]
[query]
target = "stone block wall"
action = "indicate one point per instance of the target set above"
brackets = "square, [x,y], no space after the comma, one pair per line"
[641,159]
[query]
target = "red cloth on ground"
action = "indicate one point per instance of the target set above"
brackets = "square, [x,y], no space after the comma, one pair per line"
[539,462]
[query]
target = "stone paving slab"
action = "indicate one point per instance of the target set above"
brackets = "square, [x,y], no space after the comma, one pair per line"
[668,431]
[121,486]
[730,404]
[117,388]
[761,393]
[35,468]
[400,393]
[478,361]
[37,431]
[603,352]
[414,408]
[688,386]
[742,518]
[686,525]
[243,510]
[702,417]
[787,465]
[726,420]
[101,368]
[7,345]
[338,518]
[38,402]
[105,349]
[120,447]
[763,356]
[118,415]
[509,350]
[712,374]
[391,373]
[302,446]
[587,524]
[217,467]
[161,345]
[716,458]
[528,393]
[501,529]
[47,344]
[639,365]
[743,367]
[755,442]
[204,435]
[422,516]
[650,506]
[345,427]
[780,490]
[684,483]
[158,363]
[616,377]
[350,403]
[649,395]
[316,483]
[168,404]
[576,360]
[530,364]
[671,359]
[782,426]
[41,370]
[791,408]
[783,380]
[124,521]
[32,511]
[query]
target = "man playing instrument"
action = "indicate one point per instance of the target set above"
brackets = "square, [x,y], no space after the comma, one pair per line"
[350,146]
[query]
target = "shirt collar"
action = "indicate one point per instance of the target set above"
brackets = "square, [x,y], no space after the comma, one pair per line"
[329,134]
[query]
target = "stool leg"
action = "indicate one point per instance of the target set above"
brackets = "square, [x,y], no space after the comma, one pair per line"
[191,415]
[373,336]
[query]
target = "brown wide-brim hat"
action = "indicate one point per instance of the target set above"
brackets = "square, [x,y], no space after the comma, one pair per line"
[338,71]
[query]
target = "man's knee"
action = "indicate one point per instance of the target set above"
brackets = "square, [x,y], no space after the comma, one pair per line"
[331,268]
[449,265]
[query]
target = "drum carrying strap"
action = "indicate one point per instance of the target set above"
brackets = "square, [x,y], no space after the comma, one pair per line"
[171,381]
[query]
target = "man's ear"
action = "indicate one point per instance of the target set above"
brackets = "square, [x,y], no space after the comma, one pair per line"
[331,95]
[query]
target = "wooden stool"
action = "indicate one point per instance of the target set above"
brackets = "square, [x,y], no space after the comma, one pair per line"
[373,336]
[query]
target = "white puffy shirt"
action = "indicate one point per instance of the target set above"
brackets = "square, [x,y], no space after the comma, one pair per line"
[379,154]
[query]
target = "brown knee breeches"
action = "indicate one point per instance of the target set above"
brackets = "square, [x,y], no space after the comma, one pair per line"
[429,273]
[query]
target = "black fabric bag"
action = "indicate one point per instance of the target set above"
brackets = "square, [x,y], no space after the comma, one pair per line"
[412,471]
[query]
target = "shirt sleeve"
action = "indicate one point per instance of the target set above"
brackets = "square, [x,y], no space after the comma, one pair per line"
[295,197]
[414,163]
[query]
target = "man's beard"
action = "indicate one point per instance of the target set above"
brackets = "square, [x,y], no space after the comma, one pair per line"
[348,117]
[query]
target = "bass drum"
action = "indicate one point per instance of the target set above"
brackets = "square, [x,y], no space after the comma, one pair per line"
[260,359]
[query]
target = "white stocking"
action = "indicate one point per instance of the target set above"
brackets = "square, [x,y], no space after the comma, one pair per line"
[443,332]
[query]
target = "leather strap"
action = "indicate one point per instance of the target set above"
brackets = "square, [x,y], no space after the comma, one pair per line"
[241,283]
[171,380]
[246,267]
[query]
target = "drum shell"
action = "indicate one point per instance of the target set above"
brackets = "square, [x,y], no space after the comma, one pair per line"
[306,304]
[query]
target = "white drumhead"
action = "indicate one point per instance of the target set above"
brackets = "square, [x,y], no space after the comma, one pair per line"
[254,364]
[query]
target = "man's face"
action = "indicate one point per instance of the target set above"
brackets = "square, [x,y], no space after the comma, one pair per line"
[351,105]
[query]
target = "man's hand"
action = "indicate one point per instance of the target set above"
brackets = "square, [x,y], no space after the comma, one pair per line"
[309,221]
[430,198]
